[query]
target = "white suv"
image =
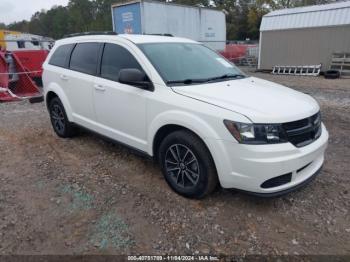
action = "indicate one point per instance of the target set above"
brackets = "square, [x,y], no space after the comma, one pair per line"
[198,115]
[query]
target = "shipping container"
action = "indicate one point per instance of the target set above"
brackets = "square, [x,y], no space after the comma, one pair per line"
[149,17]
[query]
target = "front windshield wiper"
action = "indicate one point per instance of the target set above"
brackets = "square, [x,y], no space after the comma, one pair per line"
[225,76]
[186,81]
[195,81]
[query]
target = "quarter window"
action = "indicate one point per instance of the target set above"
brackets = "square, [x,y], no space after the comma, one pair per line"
[21,44]
[114,59]
[60,57]
[84,58]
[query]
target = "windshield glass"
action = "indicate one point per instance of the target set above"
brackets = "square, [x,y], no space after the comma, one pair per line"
[189,63]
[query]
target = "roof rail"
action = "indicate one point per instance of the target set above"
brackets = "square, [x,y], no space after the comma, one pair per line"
[170,35]
[91,33]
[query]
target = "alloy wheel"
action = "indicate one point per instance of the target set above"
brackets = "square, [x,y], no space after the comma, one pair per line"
[182,166]
[57,116]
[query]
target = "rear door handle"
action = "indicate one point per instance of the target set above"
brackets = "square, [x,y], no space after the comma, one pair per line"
[64,77]
[100,88]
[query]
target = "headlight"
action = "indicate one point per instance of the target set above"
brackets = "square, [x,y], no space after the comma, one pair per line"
[256,133]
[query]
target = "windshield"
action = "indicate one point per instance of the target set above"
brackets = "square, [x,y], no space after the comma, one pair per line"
[189,63]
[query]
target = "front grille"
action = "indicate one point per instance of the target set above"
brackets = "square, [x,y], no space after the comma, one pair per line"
[303,132]
[277,181]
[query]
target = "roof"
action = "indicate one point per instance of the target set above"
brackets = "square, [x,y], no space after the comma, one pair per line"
[334,14]
[129,2]
[137,39]
[140,39]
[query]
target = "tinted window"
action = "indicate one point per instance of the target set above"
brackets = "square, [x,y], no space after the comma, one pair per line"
[21,44]
[60,57]
[84,58]
[115,58]
[181,61]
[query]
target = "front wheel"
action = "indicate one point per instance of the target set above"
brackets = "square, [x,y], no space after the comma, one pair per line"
[187,164]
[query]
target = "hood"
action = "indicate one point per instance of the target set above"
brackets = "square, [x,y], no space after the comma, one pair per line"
[260,100]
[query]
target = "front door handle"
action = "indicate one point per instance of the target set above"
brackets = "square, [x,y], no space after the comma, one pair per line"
[100,88]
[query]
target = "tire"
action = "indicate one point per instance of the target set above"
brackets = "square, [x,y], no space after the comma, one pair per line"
[187,164]
[332,74]
[60,123]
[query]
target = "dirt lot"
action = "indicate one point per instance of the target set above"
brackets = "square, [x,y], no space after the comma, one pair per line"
[87,196]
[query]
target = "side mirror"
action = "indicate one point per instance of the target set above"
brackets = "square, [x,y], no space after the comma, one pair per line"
[135,77]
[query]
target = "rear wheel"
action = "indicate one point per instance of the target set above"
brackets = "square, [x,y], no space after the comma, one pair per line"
[187,164]
[59,120]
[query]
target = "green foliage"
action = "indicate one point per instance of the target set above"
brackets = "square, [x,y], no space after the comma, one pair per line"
[192,2]
[78,16]
[243,17]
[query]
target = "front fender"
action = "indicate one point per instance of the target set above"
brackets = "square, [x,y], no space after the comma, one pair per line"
[180,118]
[52,87]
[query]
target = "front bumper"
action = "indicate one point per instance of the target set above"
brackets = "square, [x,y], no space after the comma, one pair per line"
[288,190]
[246,167]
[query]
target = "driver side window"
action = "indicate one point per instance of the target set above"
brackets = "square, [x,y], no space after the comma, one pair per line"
[114,59]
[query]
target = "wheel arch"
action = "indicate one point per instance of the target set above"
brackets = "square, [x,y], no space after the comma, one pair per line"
[53,90]
[49,96]
[169,122]
[162,133]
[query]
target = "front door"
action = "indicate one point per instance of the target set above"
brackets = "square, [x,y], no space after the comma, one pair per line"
[120,108]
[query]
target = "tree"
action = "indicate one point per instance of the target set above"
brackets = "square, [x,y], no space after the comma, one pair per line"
[256,11]
[80,15]
[203,3]
[57,21]
[243,17]
[103,16]
[297,3]
[22,26]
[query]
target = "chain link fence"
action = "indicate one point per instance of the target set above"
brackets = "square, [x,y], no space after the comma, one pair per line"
[21,68]
[242,53]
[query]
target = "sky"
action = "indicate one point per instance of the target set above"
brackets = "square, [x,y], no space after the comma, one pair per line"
[17,10]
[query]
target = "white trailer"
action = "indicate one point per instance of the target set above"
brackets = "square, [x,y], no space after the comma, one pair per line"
[149,17]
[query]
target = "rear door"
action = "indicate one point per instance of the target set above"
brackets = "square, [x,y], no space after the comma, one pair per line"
[80,82]
[57,66]
[120,108]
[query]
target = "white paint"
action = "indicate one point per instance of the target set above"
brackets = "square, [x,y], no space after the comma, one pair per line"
[133,116]
[259,60]
[199,24]
[304,17]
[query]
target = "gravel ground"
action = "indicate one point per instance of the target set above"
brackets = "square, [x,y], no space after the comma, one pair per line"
[87,196]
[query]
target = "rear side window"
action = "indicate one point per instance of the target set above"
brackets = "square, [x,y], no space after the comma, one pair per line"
[115,58]
[84,58]
[61,55]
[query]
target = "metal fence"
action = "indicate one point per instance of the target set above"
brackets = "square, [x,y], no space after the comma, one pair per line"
[239,52]
[25,44]
[21,68]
